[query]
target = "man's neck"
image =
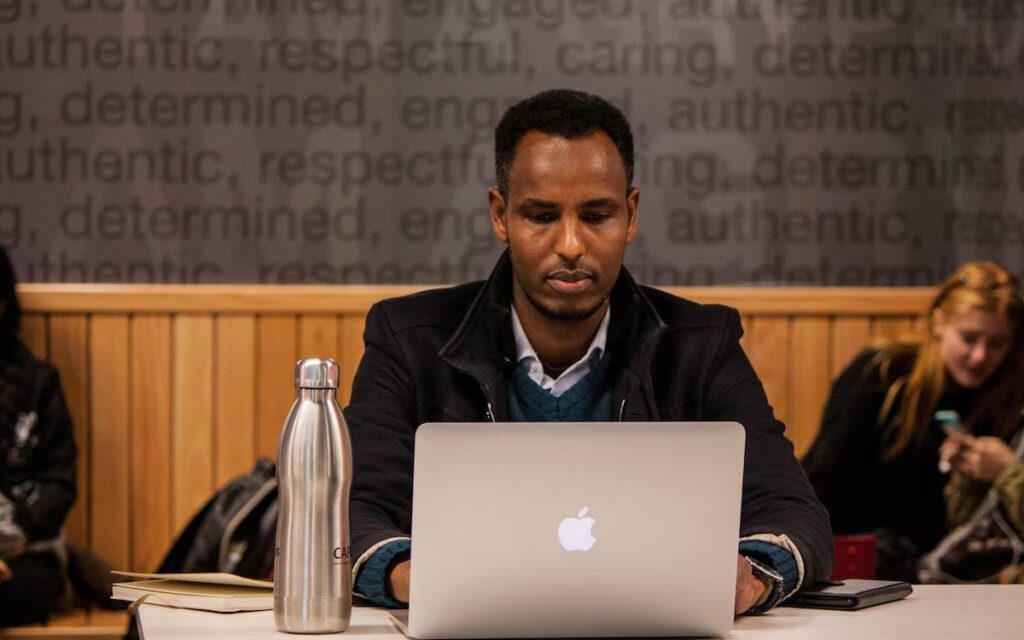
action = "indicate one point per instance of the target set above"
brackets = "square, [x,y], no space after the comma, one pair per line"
[558,344]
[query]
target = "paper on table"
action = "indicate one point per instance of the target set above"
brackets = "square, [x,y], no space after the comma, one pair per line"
[221,592]
[208,578]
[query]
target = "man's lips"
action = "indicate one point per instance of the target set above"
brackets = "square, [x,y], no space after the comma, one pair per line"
[570,281]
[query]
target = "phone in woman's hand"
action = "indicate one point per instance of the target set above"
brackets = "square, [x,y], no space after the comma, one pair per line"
[949,422]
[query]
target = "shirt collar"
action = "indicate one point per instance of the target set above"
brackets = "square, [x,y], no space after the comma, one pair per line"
[525,350]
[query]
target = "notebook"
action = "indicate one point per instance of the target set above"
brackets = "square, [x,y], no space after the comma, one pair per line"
[526,530]
[207,591]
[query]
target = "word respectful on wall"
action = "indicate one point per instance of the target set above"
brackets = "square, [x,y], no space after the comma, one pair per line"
[779,142]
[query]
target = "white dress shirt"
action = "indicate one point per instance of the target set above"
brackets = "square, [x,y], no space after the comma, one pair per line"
[572,375]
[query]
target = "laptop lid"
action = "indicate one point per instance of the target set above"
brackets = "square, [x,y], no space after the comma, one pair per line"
[575,529]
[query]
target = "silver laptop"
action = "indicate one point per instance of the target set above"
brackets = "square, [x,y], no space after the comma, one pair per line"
[527,530]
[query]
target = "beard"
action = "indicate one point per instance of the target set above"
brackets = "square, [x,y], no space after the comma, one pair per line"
[571,315]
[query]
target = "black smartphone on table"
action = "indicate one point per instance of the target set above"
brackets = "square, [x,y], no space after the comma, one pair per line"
[850,594]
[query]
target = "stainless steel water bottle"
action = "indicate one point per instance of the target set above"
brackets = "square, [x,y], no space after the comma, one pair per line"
[313,564]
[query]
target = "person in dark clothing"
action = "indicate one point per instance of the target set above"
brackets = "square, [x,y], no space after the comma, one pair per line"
[560,331]
[881,459]
[37,471]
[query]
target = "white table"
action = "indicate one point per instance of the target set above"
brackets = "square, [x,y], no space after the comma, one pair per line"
[979,612]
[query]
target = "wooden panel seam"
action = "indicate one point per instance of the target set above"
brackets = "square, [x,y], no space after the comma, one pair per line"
[292,299]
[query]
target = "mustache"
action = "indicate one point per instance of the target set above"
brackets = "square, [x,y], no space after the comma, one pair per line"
[571,272]
[570,275]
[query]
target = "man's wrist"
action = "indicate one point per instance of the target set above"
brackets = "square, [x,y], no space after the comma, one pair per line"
[372,576]
[397,583]
[777,553]
[772,579]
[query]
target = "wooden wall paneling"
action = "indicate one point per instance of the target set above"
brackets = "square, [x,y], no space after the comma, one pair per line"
[235,396]
[220,390]
[110,438]
[192,416]
[891,328]
[151,444]
[33,334]
[72,619]
[318,337]
[276,354]
[745,322]
[356,299]
[350,346]
[850,336]
[69,353]
[809,382]
[770,355]
[251,298]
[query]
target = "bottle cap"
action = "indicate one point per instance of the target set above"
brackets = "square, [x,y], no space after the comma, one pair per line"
[316,373]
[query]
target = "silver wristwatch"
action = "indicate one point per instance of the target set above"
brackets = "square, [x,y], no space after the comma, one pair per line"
[771,578]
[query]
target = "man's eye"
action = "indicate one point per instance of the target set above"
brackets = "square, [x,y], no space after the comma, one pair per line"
[969,338]
[594,217]
[542,218]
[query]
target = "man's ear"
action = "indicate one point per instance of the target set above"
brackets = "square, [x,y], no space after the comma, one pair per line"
[632,210]
[496,205]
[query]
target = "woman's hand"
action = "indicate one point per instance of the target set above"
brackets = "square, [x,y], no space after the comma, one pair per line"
[981,458]
[950,447]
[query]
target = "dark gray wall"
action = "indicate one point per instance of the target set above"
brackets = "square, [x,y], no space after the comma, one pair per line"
[842,142]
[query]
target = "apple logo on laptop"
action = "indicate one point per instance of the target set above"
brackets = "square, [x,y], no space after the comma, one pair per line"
[574,533]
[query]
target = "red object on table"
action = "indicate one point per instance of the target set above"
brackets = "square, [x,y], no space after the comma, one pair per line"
[855,557]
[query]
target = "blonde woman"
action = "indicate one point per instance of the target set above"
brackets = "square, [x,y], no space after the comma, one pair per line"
[881,460]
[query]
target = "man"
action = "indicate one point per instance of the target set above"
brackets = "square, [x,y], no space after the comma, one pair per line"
[560,331]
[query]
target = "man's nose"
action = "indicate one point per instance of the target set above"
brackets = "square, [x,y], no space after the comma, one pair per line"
[569,244]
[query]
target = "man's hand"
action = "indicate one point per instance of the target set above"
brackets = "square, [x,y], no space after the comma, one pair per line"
[749,590]
[5,572]
[398,581]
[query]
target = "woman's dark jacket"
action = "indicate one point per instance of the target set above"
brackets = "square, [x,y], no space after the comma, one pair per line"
[38,453]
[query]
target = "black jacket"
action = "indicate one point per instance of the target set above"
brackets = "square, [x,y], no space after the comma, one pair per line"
[445,355]
[38,454]
[234,532]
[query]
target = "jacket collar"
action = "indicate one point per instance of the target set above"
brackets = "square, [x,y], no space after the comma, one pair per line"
[483,345]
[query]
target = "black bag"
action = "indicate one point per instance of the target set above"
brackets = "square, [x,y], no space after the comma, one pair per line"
[235,530]
[978,550]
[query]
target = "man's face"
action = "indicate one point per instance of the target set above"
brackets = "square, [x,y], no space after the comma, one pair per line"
[567,221]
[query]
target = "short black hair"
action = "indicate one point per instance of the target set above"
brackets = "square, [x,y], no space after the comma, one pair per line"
[10,314]
[564,113]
